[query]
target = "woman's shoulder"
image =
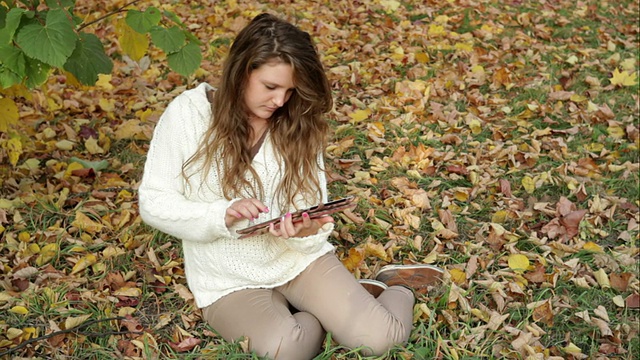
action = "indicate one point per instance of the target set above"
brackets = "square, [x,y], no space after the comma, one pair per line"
[196,94]
[194,99]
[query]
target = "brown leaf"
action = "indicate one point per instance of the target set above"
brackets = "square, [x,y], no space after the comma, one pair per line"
[186,344]
[571,222]
[543,313]
[537,275]
[505,187]
[620,282]
[633,301]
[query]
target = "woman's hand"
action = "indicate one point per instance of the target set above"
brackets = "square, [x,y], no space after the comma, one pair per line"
[287,228]
[244,209]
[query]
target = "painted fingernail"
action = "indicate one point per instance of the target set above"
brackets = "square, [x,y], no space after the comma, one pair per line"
[288,215]
[266,209]
[305,215]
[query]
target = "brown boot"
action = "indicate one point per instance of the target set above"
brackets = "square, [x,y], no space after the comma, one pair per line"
[419,277]
[374,287]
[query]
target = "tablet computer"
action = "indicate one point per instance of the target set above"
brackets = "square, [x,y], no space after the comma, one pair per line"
[314,213]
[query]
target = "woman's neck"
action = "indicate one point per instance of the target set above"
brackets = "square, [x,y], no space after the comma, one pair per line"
[258,128]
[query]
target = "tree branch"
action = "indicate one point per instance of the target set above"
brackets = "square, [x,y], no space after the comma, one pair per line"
[121,9]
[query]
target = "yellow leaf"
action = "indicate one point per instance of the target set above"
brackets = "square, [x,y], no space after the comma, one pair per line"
[458,276]
[359,115]
[47,253]
[104,81]
[572,349]
[91,144]
[14,148]
[375,249]
[619,301]
[24,236]
[461,196]
[128,291]
[65,145]
[518,262]
[390,6]
[499,216]
[476,126]
[422,58]
[623,78]
[107,105]
[71,168]
[83,263]
[71,322]
[8,114]
[83,222]
[435,30]
[616,132]
[132,42]
[29,332]
[529,184]
[602,278]
[20,310]
[591,246]
[13,333]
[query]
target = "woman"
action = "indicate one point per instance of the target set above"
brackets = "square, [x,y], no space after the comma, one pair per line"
[221,160]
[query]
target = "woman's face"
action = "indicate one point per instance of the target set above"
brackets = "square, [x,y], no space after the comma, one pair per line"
[269,87]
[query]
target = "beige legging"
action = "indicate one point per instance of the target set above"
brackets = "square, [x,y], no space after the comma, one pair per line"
[327,297]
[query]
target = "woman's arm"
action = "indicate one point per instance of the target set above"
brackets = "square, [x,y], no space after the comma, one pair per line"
[162,194]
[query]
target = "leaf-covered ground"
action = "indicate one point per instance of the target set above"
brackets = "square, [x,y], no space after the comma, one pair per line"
[496,139]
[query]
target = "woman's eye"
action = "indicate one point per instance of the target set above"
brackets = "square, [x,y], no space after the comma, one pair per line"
[270,87]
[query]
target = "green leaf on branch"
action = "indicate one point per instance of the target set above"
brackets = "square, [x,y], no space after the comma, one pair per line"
[37,72]
[12,21]
[13,58]
[88,60]
[52,43]
[12,66]
[169,40]
[185,61]
[142,22]
[8,78]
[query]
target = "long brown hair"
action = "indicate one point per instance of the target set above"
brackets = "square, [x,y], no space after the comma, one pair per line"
[298,129]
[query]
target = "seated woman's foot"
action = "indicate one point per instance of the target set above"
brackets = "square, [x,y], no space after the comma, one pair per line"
[419,277]
[374,287]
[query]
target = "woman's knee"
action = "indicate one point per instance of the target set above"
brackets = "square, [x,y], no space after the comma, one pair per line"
[302,340]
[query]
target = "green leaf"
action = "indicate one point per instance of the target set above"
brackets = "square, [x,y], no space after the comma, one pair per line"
[88,60]
[12,22]
[95,165]
[13,59]
[8,78]
[37,72]
[3,16]
[169,40]
[185,61]
[173,17]
[53,43]
[142,22]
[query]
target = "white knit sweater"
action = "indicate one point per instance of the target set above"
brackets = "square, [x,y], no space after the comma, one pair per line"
[216,261]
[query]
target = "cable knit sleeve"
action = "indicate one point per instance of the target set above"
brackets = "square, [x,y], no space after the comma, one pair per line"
[163,200]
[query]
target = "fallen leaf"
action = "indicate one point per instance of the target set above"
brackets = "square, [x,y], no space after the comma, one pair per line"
[518,262]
